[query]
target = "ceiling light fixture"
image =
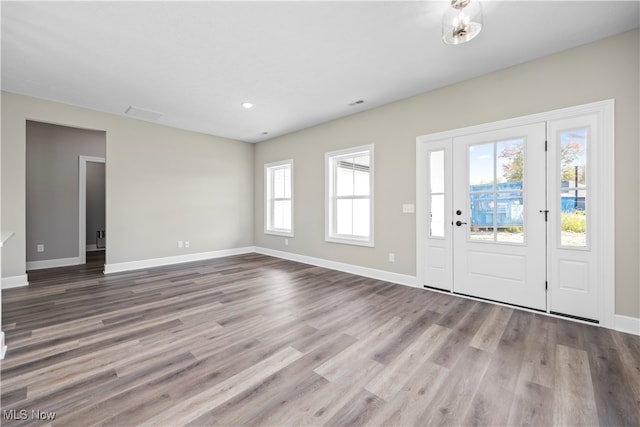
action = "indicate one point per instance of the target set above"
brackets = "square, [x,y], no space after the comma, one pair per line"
[462,22]
[247,105]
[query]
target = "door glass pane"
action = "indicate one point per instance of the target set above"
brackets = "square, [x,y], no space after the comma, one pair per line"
[510,162]
[436,168]
[496,195]
[436,183]
[481,215]
[510,200]
[573,187]
[437,216]
[481,167]
[573,157]
[481,192]
[573,218]
[510,217]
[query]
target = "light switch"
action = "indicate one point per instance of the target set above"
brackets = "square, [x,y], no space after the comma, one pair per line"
[408,208]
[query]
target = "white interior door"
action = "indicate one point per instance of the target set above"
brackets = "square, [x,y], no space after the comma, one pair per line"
[498,219]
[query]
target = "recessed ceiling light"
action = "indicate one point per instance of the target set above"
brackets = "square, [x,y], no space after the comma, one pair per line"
[358,102]
[247,105]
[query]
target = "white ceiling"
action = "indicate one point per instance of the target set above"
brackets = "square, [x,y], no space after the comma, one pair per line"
[301,63]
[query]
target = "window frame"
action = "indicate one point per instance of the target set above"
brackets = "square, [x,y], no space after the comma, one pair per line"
[588,127]
[331,234]
[444,193]
[269,168]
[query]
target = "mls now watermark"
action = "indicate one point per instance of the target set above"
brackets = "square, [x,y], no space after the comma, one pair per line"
[23,414]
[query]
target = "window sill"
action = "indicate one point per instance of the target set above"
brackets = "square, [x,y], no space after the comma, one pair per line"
[279,233]
[347,241]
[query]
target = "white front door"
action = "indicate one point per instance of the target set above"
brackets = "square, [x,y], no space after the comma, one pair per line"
[521,211]
[499,228]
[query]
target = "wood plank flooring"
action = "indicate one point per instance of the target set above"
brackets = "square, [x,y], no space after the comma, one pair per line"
[252,340]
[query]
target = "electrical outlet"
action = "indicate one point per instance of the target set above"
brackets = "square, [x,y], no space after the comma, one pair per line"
[180,243]
[286,242]
[40,247]
[392,257]
[186,244]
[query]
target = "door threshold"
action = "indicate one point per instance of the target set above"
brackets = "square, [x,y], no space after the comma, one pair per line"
[506,304]
[500,302]
[570,316]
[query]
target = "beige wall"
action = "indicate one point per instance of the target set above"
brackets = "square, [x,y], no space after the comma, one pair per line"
[602,70]
[163,184]
[52,187]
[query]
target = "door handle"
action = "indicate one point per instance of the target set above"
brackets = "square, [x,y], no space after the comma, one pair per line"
[459,223]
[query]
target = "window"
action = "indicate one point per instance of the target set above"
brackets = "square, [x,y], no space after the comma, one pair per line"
[278,200]
[436,200]
[496,191]
[574,190]
[349,196]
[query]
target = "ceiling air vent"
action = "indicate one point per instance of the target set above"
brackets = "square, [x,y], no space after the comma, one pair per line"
[141,113]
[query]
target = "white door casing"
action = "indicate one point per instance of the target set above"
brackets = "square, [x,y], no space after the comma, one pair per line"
[565,267]
[82,203]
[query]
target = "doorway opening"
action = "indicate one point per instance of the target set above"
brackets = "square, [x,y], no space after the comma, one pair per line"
[53,216]
[91,206]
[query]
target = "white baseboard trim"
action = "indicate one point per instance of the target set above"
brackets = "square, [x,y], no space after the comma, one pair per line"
[52,263]
[179,259]
[629,325]
[387,276]
[14,282]
[3,348]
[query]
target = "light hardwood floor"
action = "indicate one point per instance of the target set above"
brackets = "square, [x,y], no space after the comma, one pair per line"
[254,340]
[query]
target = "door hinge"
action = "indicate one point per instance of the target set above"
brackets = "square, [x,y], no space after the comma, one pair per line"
[546,145]
[546,285]
[546,215]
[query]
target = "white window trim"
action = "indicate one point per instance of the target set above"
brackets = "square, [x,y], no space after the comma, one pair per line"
[330,236]
[267,199]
